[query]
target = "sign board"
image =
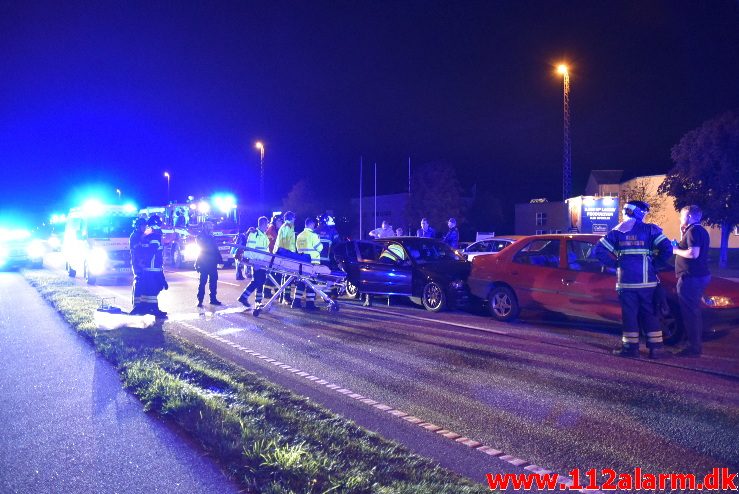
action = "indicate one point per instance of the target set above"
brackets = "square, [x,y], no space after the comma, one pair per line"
[589,214]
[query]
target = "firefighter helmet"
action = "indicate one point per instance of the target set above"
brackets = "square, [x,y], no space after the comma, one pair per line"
[636,209]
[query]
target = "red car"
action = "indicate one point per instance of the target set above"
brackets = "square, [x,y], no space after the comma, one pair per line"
[557,273]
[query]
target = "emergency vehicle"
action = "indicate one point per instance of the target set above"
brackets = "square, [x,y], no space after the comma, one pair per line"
[183,222]
[95,241]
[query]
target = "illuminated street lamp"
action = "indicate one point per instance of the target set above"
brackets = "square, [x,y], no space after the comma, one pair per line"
[564,71]
[166,175]
[118,191]
[260,147]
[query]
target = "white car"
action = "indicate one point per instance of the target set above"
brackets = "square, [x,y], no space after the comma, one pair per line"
[488,246]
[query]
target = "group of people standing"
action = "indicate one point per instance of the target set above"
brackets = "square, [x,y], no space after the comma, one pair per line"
[451,237]
[635,249]
[278,237]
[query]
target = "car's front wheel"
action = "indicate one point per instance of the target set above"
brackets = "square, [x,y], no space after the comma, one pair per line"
[672,329]
[502,304]
[351,290]
[433,298]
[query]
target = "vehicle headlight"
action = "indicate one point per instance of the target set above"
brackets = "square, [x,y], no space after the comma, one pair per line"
[97,261]
[54,242]
[192,251]
[36,249]
[717,301]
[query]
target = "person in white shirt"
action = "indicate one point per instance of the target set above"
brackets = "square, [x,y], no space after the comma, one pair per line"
[385,231]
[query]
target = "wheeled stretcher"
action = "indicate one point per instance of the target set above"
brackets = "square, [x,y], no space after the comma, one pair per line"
[317,277]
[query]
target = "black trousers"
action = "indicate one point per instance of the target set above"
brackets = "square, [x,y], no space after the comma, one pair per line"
[211,277]
[638,312]
[257,283]
[689,292]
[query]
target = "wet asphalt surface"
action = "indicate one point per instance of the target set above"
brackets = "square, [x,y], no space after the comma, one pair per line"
[548,393]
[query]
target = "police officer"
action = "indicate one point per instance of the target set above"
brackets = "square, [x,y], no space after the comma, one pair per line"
[207,264]
[258,240]
[153,280]
[632,248]
[138,260]
[308,242]
[452,236]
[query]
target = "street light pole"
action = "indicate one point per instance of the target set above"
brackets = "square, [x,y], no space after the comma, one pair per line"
[166,175]
[567,152]
[118,191]
[260,146]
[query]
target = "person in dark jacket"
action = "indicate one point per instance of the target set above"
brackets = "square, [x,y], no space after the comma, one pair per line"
[207,264]
[153,281]
[425,231]
[138,260]
[633,247]
[452,236]
[691,269]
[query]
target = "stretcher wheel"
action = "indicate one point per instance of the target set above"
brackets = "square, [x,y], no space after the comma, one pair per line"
[256,312]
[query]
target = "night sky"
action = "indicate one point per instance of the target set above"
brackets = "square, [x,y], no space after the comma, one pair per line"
[115,93]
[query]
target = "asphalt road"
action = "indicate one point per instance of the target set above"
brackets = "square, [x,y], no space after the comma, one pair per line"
[67,425]
[549,394]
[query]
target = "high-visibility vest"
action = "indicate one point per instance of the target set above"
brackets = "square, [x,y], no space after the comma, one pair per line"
[308,242]
[258,240]
[285,238]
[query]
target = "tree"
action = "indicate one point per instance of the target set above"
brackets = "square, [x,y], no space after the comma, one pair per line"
[436,195]
[304,200]
[644,189]
[706,173]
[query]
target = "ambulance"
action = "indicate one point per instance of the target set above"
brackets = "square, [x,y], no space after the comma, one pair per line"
[95,242]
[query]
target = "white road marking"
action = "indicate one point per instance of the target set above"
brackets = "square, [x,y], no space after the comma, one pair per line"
[399,414]
[227,331]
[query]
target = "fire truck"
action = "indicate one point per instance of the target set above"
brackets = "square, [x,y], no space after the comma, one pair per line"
[183,222]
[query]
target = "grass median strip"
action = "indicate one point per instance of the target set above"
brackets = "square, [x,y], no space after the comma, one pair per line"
[269,438]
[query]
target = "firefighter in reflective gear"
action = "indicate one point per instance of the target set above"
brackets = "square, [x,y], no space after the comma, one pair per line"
[393,253]
[286,240]
[153,280]
[632,248]
[309,243]
[258,240]
[138,254]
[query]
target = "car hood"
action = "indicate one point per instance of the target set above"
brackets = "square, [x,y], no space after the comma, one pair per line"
[446,270]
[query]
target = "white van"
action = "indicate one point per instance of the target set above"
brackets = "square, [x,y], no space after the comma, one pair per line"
[96,241]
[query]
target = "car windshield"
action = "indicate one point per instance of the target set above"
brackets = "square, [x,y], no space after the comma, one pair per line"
[110,226]
[429,250]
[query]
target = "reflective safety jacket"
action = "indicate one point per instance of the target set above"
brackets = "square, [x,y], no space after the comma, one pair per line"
[258,240]
[285,238]
[632,248]
[308,242]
